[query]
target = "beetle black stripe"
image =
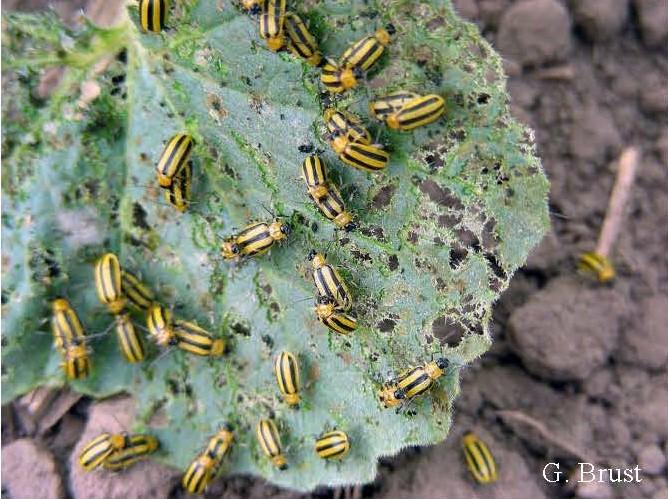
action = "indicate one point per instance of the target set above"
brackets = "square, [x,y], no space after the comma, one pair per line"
[259,237]
[285,373]
[163,9]
[417,107]
[369,154]
[334,443]
[419,380]
[175,151]
[420,118]
[475,461]
[341,324]
[375,46]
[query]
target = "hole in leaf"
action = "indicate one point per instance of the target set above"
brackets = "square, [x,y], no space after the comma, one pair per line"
[447,331]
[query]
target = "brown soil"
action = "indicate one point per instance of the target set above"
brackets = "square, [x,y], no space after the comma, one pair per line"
[578,370]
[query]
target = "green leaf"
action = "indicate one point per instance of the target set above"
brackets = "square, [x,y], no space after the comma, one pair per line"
[456,212]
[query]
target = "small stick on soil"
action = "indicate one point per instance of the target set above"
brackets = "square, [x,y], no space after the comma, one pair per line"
[564,73]
[598,261]
[539,427]
[626,172]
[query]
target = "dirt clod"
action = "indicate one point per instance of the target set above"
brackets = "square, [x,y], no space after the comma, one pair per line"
[653,20]
[535,32]
[29,471]
[651,459]
[566,331]
[648,344]
[594,135]
[600,19]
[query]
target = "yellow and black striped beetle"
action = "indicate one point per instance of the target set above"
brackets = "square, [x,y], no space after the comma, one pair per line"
[76,362]
[153,15]
[270,443]
[202,469]
[336,79]
[259,237]
[420,111]
[108,282]
[332,445]
[333,317]
[136,448]
[272,19]
[479,459]
[346,124]
[385,106]
[100,448]
[196,340]
[418,380]
[315,176]
[173,158]
[366,157]
[138,295]
[333,208]
[365,52]
[286,371]
[65,325]
[302,43]
[178,193]
[129,341]
[199,474]
[329,282]
[161,326]
[597,264]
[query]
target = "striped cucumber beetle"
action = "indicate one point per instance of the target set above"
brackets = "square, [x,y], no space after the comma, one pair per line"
[65,325]
[256,239]
[108,282]
[329,282]
[286,371]
[346,124]
[220,444]
[597,264]
[199,474]
[100,448]
[366,157]
[153,15]
[418,380]
[138,295]
[334,318]
[315,176]
[333,208]
[365,52]
[173,158]
[160,326]
[270,443]
[178,193]
[129,341]
[76,362]
[385,106]
[136,448]
[336,79]
[302,43]
[420,111]
[196,340]
[202,469]
[479,459]
[332,445]
[272,19]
